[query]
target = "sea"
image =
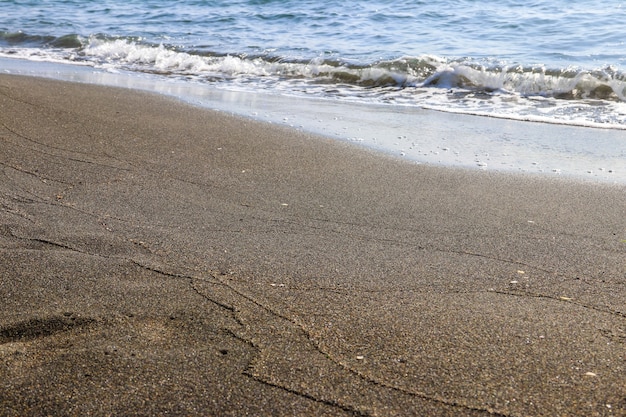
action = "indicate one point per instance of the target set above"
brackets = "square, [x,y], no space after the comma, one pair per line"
[487,83]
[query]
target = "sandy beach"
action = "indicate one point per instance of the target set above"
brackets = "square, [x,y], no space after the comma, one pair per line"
[161,259]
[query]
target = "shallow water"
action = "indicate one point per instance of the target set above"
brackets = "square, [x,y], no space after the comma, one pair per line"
[410,133]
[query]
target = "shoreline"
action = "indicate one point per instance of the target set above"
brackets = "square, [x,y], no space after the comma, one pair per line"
[422,136]
[162,258]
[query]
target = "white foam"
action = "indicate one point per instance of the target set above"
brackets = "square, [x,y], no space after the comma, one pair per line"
[428,81]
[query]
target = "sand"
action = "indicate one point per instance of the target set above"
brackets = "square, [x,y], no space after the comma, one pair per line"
[157,258]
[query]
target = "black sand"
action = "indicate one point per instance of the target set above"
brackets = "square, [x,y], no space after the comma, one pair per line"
[161,259]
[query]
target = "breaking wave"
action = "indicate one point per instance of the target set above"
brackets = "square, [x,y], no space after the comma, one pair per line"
[570,95]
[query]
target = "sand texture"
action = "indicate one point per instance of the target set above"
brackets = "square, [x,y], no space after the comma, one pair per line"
[161,259]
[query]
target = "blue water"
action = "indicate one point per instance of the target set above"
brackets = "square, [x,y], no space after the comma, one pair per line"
[557,61]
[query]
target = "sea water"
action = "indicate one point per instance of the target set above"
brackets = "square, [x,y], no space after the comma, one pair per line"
[557,62]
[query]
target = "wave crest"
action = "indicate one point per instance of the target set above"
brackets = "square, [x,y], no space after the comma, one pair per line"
[402,73]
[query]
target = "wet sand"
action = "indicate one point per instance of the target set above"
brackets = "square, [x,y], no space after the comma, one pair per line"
[157,258]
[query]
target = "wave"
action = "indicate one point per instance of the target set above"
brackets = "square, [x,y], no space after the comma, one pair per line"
[479,87]
[406,72]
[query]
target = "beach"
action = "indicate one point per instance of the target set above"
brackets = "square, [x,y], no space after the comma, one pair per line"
[157,258]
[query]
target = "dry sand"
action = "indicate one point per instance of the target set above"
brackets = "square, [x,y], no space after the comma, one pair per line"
[157,258]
